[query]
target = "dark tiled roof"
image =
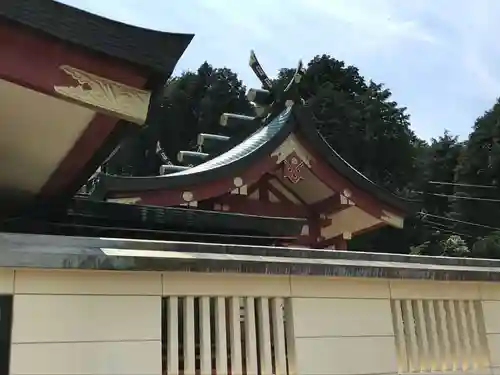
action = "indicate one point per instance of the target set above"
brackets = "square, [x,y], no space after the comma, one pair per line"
[266,139]
[260,143]
[155,50]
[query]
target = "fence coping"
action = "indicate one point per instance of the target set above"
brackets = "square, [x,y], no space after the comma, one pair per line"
[71,252]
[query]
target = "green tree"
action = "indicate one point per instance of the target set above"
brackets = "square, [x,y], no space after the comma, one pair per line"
[442,245]
[455,246]
[479,164]
[488,246]
[354,115]
[191,104]
[439,162]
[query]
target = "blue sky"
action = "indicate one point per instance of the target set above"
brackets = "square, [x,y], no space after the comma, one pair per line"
[439,58]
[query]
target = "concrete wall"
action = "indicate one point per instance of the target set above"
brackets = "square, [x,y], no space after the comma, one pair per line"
[352,326]
[90,322]
[85,322]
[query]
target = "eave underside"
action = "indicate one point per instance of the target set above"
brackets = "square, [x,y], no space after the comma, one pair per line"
[58,121]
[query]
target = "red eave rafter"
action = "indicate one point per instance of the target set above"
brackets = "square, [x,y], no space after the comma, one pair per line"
[206,190]
[341,244]
[33,60]
[332,204]
[245,205]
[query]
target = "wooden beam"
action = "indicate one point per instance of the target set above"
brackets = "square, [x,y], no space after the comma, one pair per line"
[278,194]
[333,204]
[263,186]
[242,204]
[206,190]
[294,194]
[339,242]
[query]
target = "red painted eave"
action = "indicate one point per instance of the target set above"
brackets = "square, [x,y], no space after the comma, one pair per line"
[48,133]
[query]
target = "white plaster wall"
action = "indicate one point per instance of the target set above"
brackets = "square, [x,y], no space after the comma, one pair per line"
[490,295]
[342,326]
[109,323]
[75,322]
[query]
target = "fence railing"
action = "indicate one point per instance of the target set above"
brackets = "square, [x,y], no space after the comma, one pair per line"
[226,335]
[439,335]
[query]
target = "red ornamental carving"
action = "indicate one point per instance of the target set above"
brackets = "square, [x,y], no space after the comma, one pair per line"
[293,169]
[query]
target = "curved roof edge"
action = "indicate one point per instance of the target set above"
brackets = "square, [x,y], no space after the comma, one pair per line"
[262,142]
[155,50]
[307,129]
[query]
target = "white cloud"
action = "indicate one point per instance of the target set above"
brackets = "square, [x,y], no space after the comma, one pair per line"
[376,19]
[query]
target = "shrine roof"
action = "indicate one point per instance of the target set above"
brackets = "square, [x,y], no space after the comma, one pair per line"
[151,49]
[259,144]
[293,119]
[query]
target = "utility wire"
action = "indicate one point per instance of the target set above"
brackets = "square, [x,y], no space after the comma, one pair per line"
[439,224]
[450,231]
[463,185]
[446,228]
[459,221]
[443,227]
[495,200]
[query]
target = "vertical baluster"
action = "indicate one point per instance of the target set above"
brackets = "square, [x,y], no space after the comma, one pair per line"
[474,334]
[189,345]
[235,336]
[205,345]
[250,337]
[432,335]
[220,336]
[465,339]
[455,338]
[291,347]
[412,344]
[445,337]
[480,327]
[278,335]
[266,366]
[399,333]
[425,357]
[173,336]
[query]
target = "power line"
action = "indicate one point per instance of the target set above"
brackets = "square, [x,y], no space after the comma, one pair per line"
[494,200]
[450,231]
[459,221]
[439,224]
[463,184]
[443,227]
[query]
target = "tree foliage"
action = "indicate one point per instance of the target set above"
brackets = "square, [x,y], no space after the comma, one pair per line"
[353,114]
[480,165]
[191,104]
